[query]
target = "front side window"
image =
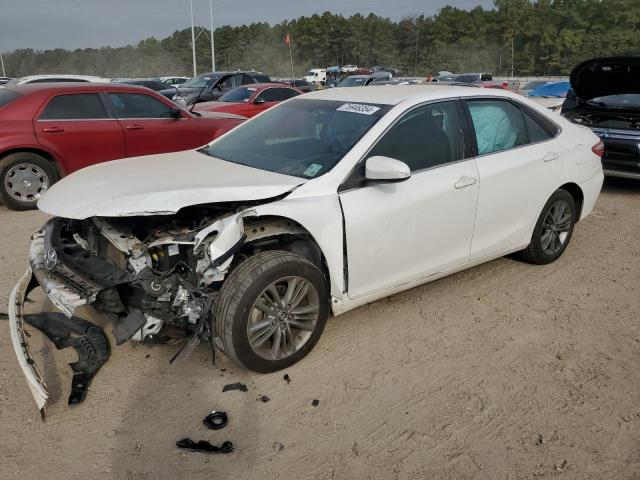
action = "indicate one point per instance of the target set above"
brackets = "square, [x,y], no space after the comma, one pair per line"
[138,105]
[304,138]
[76,106]
[498,124]
[425,137]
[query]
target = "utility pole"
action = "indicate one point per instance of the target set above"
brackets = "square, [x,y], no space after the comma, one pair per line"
[213,49]
[193,41]
[512,57]
[2,63]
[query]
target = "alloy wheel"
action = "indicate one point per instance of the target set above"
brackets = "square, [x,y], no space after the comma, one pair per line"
[556,227]
[283,317]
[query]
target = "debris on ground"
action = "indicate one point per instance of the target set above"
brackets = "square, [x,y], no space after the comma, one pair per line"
[278,447]
[263,398]
[234,386]
[287,378]
[204,446]
[216,420]
[562,466]
[315,402]
[539,440]
[355,450]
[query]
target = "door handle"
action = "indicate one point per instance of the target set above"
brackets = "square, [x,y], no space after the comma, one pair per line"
[551,156]
[465,182]
[134,127]
[53,129]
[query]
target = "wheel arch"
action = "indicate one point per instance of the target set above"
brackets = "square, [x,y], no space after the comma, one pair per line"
[578,196]
[60,170]
[277,232]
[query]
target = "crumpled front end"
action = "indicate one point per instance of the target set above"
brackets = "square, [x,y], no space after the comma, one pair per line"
[154,278]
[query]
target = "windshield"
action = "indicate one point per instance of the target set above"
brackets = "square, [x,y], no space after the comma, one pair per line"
[304,138]
[240,94]
[198,82]
[625,100]
[534,84]
[352,82]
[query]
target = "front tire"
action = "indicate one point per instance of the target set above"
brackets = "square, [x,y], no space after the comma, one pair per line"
[553,230]
[271,311]
[24,178]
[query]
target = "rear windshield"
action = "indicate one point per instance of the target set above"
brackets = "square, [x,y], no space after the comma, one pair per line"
[7,96]
[353,82]
[304,138]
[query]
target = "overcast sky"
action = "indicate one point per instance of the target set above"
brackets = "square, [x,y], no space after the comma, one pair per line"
[45,24]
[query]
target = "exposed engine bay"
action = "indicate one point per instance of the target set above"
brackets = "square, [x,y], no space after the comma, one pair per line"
[155,278]
[595,118]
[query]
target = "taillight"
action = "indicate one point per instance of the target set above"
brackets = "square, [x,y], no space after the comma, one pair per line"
[598,149]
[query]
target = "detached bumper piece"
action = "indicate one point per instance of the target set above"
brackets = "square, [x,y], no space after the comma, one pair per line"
[87,339]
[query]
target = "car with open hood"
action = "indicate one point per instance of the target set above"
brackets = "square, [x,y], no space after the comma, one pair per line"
[211,86]
[326,202]
[605,96]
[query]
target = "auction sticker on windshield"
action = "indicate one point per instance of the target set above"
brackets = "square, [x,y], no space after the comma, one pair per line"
[358,108]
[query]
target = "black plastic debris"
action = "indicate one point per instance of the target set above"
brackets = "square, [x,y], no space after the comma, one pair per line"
[278,446]
[315,402]
[234,386]
[287,378]
[216,420]
[263,398]
[204,446]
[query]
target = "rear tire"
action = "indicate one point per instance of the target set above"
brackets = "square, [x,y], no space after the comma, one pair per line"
[261,306]
[553,230]
[24,178]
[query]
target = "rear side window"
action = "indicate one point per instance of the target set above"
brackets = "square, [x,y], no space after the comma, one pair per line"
[7,96]
[138,105]
[75,106]
[536,132]
[425,137]
[498,124]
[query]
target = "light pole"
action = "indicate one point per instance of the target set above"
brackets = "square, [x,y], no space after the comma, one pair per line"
[213,49]
[2,63]
[193,41]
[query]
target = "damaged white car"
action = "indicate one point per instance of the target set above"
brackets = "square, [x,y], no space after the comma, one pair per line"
[322,204]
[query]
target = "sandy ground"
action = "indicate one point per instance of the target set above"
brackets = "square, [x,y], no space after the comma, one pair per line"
[504,371]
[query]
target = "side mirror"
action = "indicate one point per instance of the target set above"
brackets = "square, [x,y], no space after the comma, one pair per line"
[385,169]
[176,113]
[259,101]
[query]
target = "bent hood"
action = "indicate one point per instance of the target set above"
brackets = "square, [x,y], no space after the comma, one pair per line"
[159,185]
[600,77]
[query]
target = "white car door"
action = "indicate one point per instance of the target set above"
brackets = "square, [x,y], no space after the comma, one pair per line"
[399,232]
[519,162]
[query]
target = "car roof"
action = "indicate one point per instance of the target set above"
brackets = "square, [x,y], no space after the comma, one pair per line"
[73,86]
[63,75]
[395,94]
[361,76]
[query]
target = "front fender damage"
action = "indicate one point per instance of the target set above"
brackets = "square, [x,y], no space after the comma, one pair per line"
[214,247]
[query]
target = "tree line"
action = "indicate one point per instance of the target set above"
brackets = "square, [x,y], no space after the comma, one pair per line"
[543,37]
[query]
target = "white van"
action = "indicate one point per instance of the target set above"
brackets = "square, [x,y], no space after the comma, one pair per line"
[316,75]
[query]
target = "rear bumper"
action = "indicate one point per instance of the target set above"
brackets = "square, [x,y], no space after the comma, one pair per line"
[591,190]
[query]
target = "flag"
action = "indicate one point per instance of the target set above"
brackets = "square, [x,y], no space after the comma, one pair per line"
[287,40]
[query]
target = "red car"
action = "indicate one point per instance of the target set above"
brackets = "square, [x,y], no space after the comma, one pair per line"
[250,100]
[50,130]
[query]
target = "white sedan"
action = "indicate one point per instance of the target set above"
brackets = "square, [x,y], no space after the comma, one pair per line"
[324,203]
